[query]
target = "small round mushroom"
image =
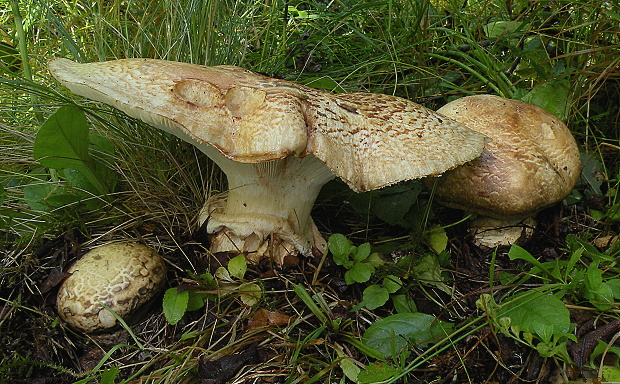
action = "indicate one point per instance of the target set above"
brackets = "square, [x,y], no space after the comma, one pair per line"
[531,163]
[122,276]
[277,142]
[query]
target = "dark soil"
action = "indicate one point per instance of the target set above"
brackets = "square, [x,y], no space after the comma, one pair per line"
[39,348]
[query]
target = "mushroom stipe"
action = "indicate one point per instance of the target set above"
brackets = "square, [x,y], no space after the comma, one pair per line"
[277,142]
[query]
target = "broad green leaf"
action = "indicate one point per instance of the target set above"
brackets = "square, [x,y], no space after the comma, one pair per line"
[437,239]
[222,274]
[108,376]
[237,266]
[551,96]
[428,271]
[392,334]
[250,293]
[340,247]
[175,305]
[375,296]
[196,300]
[376,373]
[63,141]
[2,195]
[362,252]
[359,273]
[392,283]
[347,365]
[614,285]
[611,374]
[531,311]
[402,304]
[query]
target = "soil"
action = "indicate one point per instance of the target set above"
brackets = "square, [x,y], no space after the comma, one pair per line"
[38,348]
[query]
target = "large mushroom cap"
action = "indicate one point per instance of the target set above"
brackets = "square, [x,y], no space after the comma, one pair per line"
[368,140]
[532,161]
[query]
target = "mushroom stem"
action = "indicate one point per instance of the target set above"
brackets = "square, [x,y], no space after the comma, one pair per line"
[267,206]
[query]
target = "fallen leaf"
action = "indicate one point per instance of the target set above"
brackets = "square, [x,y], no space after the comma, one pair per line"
[265,319]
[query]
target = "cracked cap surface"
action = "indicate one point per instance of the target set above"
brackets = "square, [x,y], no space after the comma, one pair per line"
[368,140]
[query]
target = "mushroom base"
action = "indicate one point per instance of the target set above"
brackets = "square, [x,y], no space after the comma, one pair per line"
[490,232]
[266,211]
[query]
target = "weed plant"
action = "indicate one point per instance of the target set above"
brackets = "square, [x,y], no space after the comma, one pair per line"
[402,264]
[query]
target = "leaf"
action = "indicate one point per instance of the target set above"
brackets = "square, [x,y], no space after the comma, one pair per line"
[109,375]
[517,252]
[362,252]
[392,334]
[250,293]
[340,247]
[437,239]
[532,311]
[347,365]
[196,300]
[375,296]
[2,195]
[237,266]
[428,271]
[392,283]
[222,273]
[63,141]
[604,348]
[402,304]
[359,273]
[265,319]
[175,305]
[551,96]
[376,372]
[611,374]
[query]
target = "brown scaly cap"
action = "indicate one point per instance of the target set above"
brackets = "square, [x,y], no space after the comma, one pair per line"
[368,140]
[532,161]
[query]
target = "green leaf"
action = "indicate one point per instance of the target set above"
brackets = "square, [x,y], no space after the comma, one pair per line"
[614,285]
[594,276]
[551,96]
[362,252]
[532,311]
[392,334]
[340,247]
[109,375]
[175,305]
[603,348]
[196,300]
[359,273]
[611,374]
[63,141]
[517,252]
[428,271]
[250,293]
[376,372]
[237,266]
[375,296]
[2,195]
[392,283]
[437,239]
[402,304]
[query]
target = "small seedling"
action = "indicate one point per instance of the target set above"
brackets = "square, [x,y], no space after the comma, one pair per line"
[227,281]
[359,261]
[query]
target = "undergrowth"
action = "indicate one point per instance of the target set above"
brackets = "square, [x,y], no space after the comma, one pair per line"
[400,265]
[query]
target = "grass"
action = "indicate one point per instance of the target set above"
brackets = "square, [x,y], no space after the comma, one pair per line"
[561,55]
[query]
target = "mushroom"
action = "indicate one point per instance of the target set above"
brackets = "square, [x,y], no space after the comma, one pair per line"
[531,163]
[121,276]
[277,142]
